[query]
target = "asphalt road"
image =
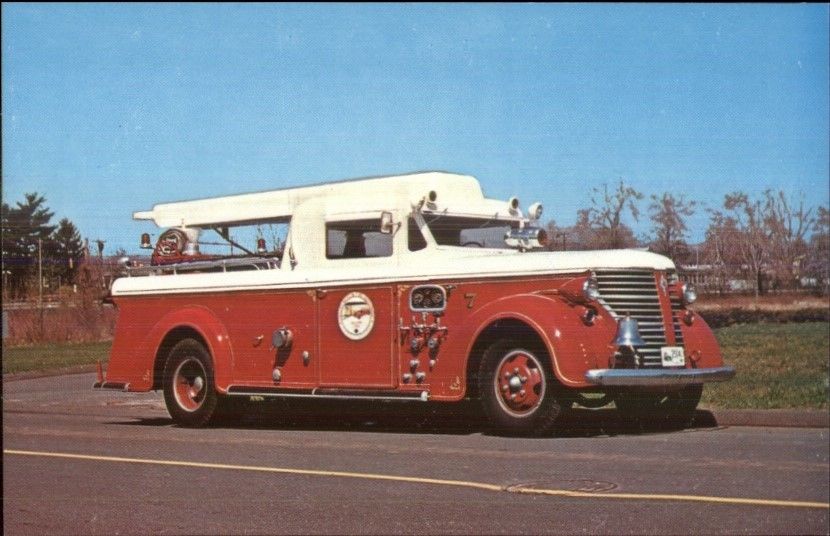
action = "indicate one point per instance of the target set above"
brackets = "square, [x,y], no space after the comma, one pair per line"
[90,462]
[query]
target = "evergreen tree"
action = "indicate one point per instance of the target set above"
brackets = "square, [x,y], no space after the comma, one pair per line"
[22,227]
[66,250]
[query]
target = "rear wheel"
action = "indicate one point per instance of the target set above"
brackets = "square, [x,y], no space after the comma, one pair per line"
[517,390]
[672,408]
[189,390]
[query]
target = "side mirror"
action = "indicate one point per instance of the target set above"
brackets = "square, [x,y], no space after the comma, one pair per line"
[387,225]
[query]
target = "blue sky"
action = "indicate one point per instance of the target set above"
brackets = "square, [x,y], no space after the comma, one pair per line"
[108,109]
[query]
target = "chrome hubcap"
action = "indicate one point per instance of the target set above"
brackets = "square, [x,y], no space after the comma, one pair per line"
[189,383]
[520,383]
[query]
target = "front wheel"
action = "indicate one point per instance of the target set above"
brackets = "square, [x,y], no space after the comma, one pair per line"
[189,391]
[518,392]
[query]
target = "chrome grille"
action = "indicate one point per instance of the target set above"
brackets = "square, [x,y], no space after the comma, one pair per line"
[676,308]
[634,292]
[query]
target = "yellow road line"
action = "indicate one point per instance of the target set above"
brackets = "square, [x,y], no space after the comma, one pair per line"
[431,481]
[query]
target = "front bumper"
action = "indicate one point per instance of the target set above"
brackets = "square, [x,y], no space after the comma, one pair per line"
[657,377]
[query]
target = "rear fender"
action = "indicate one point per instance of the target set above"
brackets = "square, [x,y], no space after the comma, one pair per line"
[208,326]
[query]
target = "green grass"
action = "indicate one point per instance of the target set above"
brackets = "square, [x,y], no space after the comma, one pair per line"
[778,366]
[49,356]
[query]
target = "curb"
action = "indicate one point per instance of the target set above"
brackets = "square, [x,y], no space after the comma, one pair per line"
[787,418]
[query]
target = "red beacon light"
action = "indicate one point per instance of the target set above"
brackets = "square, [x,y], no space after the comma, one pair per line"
[260,245]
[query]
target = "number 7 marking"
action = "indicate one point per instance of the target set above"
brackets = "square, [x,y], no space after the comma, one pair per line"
[470,297]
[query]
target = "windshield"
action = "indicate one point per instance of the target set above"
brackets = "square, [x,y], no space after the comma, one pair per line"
[469,232]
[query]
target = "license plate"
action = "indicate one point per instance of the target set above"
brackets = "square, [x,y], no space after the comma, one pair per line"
[672,356]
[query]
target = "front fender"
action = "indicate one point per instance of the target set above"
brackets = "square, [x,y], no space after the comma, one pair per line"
[573,346]
[701,345]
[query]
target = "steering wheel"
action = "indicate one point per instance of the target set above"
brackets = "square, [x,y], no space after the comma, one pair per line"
[472,243]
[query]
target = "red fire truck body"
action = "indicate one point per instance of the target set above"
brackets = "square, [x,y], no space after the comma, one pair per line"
[412,287]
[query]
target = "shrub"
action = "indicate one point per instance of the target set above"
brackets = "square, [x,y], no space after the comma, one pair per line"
[718,318]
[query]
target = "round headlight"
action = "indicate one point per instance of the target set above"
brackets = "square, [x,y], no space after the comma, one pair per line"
[590,288]
[689,294]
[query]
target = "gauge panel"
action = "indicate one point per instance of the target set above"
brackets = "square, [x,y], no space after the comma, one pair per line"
[428,298]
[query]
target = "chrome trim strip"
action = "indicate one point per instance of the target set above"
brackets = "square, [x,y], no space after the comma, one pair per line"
[420,396]
[657,377]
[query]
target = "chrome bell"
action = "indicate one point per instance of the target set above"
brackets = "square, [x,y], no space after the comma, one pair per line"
[628,334]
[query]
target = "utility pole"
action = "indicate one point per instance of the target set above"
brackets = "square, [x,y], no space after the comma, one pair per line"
[564,237]
[40,281]
[100,243]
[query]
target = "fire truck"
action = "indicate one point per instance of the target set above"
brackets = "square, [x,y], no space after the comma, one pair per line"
[414,288]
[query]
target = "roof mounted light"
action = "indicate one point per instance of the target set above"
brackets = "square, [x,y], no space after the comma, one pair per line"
[535,211]
[428,201]
[513,204]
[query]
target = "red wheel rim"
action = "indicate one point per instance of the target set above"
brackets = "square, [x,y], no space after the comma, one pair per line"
[519,383]
[190,384]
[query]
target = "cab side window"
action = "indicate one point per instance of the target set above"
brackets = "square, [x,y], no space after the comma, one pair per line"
[357,239]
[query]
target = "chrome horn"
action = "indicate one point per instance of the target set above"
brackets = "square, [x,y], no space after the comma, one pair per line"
[628,333]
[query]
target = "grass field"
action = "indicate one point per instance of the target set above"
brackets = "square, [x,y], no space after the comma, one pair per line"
[47,356]
[778,365]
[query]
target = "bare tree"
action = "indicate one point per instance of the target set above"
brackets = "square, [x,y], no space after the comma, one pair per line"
[754,243]
[604,217]
[669,215]
[720,249]
[817,261]
[557,236]
[787,224]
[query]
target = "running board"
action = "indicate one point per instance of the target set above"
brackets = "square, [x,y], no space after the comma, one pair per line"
[238,390]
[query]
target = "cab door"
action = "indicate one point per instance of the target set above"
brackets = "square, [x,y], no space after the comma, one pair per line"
[356,337]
